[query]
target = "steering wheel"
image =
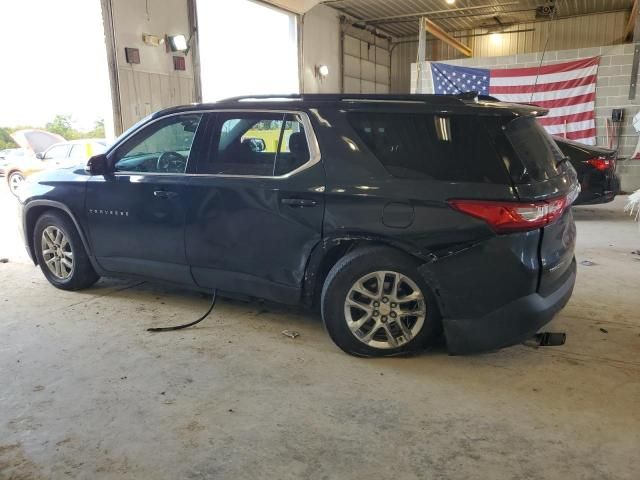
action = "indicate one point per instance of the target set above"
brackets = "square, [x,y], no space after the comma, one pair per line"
[171,162]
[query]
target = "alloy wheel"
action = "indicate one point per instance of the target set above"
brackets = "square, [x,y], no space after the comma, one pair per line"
[57,253]
[385,309]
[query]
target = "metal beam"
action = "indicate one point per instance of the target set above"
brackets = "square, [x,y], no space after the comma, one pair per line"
[633,82]
[440,34]
[435,12]
[632,22]
[422,54]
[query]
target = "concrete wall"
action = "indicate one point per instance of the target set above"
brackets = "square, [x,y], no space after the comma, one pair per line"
[153,84]
[321,46]
[612,91]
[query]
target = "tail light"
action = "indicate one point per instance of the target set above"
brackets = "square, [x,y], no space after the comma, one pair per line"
[506,217]
[602,163]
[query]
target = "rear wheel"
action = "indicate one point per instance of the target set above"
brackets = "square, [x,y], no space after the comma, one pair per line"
[61,254]
[376,303]
[14,180]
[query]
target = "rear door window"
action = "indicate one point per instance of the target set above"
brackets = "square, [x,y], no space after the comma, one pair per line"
[454,148]
[258,144]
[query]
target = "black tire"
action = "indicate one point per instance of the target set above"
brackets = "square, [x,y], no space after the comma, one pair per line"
[82,274]
[344,275]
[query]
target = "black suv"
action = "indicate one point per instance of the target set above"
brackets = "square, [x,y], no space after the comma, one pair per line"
[398,215]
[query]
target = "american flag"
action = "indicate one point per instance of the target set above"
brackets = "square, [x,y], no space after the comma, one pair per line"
[567,89]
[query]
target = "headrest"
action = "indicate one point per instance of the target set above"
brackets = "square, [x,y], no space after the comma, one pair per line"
[298,143]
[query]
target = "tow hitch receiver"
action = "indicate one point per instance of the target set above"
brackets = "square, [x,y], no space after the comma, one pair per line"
[548,339]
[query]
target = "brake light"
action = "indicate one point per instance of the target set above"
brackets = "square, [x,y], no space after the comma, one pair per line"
[513,216]
[602,164]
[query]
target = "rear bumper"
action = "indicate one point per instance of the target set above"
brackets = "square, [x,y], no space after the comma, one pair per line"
[508,325]
[595,199]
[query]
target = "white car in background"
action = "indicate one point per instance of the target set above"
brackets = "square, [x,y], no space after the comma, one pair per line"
[58,155]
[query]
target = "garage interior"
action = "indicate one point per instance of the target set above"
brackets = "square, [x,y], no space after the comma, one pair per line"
[87,392]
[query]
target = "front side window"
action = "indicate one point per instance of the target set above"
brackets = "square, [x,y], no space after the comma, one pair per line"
[257,144]
[162,147]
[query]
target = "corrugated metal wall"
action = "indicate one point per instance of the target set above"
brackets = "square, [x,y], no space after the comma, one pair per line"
[576,32]
[402,54]
[565,34]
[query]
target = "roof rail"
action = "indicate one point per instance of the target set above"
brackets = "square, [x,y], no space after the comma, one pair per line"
[360,97]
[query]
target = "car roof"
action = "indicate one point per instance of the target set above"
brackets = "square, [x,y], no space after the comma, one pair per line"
[463,103]
[80,142]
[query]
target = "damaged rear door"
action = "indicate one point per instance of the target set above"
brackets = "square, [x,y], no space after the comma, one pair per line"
[256,204]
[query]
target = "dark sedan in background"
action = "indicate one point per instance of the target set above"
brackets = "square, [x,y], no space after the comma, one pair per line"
[596,168]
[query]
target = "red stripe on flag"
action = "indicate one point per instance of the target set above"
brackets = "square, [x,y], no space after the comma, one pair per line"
[581,134]
[566,102]
[543,87]
[576,117]
[555,68]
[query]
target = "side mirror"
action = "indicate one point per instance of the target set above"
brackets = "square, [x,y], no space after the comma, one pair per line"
[97,165]
[255,144]
[40,155]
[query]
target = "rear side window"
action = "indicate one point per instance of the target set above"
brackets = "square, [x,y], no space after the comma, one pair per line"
[416,145]
[537,151]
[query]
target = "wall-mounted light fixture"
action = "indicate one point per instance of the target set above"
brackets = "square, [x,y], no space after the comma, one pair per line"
[322,72]
[178,43]
[152,40]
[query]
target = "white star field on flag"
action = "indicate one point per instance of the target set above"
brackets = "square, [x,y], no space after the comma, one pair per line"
[451,79]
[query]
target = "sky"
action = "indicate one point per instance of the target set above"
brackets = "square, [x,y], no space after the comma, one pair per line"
[54,57]
[259,54]
[53,61]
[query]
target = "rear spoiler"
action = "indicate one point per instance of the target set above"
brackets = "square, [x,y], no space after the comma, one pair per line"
[521,108]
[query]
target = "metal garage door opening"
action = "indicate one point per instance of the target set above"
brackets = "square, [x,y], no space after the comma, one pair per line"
[246,48]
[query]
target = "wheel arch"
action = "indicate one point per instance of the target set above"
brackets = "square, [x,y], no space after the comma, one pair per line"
[35,209]
[331,249]
[8,173]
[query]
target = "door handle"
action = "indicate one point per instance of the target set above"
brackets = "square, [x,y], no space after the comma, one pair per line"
[299,202]
[164,195]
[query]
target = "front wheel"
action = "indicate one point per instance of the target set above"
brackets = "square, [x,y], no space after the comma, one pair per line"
[61,254]
[15,179]
[376,303]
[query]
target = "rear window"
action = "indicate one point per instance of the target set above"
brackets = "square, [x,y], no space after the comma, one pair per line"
[417,145]
[537,152]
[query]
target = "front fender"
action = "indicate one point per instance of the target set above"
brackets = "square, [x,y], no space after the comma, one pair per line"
[32,209]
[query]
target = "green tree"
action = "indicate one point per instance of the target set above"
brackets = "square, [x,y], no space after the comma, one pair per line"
[5,139]
[62,125]
[97,131]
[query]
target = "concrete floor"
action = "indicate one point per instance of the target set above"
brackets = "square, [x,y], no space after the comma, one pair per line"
[85,392]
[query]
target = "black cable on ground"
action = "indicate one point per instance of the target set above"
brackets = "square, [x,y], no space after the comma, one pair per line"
[187,325]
